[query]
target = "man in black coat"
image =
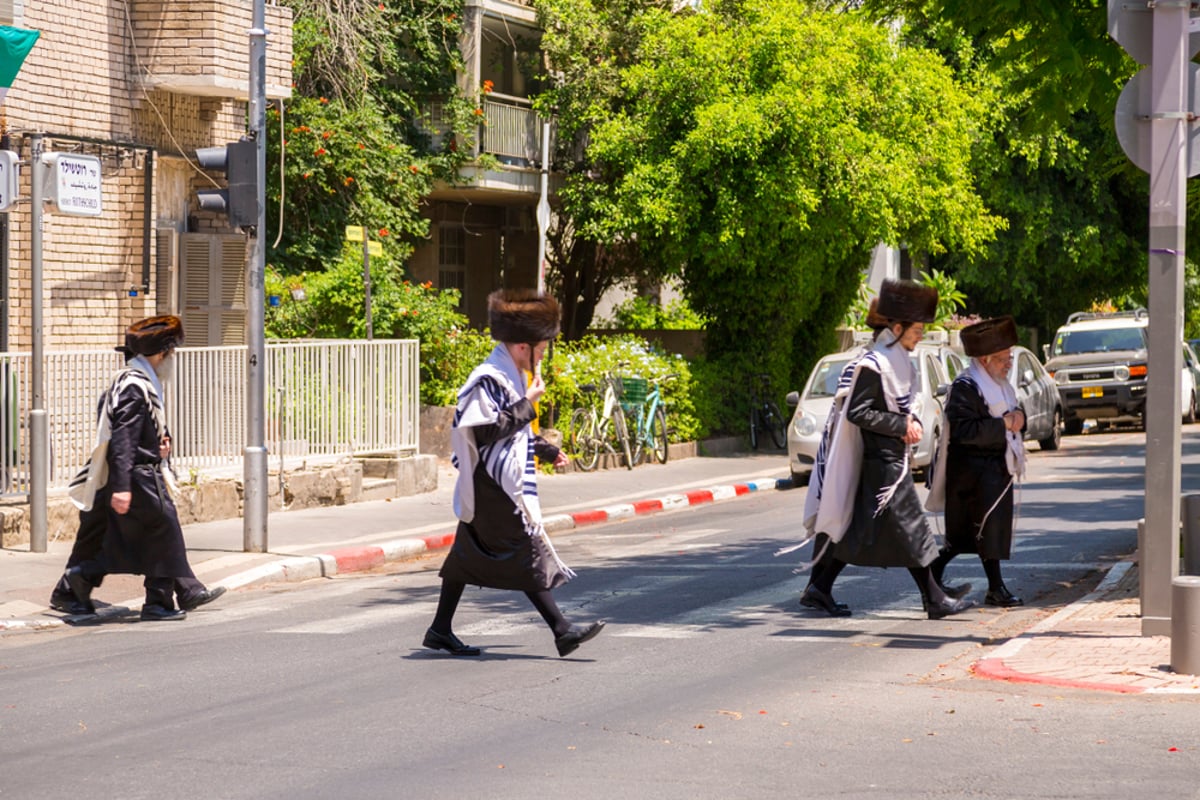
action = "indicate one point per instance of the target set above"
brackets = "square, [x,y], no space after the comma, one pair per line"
[985,456]
[128,482]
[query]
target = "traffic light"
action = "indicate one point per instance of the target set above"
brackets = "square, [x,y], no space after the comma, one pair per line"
[238,160]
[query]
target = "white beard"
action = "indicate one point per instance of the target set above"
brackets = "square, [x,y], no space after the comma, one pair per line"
[165,369]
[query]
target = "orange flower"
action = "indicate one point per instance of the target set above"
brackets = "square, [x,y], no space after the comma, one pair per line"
[306,175]
[414,169]
[427,284]
[326,135]
[349,180]
[479,112]
[488,86]
[383,231]
[381,7]
[324,100]
[362,146]
[320,151]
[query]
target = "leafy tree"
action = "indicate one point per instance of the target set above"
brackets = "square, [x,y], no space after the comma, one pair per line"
[761,154]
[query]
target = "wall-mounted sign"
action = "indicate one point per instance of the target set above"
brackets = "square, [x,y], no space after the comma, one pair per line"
[73,184]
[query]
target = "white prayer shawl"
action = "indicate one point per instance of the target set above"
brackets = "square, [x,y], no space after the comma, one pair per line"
[829,506]
[1000,398]
[493,386]
[139,374]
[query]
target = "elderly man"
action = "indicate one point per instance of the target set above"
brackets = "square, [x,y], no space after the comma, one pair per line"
[129,474]
[984,458]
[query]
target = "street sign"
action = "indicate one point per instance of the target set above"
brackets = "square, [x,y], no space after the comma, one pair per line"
[73,184]
[375,248]
[355,233]
[1131,24]
[1132,120]
[10,173]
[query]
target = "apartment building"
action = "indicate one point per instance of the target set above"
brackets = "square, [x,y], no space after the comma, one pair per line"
[139,84]
[484,231]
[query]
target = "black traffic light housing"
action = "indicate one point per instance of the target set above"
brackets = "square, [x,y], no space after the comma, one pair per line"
[239,161]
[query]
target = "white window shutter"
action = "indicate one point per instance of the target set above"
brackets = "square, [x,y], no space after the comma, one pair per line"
[166,271]
[213,284]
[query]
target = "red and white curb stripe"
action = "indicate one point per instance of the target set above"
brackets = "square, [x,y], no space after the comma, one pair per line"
[358,559]
[994,667]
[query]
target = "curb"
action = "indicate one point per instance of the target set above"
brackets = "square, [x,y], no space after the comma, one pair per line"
[360,559]
[994,668]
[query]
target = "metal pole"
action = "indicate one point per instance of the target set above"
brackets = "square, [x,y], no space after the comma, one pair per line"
[39,440]
[543,210]
[1168,206]
[367,281]
[254,519]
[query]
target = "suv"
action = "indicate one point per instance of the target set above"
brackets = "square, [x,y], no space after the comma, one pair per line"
[1099,363]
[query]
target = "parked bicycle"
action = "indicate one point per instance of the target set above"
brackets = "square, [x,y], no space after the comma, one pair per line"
[646,413]
[593,430]
[764,414]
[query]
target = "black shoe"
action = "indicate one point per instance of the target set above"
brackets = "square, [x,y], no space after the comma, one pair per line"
[569,642]
[957,592]
[63,601]
[815,598]
[448,642]
[157,613]
[1003,598]
[947,607]
[82,589]
[202,598]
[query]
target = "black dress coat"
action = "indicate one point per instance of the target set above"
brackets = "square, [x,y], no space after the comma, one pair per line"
[147,540]
[976,476]
[899,536]
[494,549]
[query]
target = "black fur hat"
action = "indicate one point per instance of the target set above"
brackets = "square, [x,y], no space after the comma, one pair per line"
[522,316]
[873,320]
[153,335]
[907,301]
[989,336]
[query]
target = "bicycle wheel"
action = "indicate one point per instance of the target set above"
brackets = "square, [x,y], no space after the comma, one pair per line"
[621,431]
[773,422]
[639,442]
[584,445]
[754,412]
[658,434]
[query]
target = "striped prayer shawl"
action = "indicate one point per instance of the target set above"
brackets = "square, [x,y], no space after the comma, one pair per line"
[82,488]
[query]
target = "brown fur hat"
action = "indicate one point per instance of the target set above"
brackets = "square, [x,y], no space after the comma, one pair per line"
[873,320]
[907,301]
[153,335]
[522,316]
[989,336]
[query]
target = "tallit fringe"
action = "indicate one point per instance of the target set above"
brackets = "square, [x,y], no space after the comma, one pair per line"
[804,566]
[983,522]
[541,531]
[888,492]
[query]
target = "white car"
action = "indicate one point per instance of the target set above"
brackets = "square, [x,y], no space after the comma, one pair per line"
[812,407]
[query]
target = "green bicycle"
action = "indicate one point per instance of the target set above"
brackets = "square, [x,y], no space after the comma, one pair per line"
[646,413]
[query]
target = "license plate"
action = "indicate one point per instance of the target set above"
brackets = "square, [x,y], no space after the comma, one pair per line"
[1093,391]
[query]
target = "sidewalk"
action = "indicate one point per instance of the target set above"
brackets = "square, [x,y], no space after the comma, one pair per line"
[1094,643]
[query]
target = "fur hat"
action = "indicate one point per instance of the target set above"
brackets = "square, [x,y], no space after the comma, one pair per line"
[989,336]
[873,320]
[907,301]
[153,335]
[522,316]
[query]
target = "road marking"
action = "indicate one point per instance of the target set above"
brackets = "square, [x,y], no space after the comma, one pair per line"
[362,619]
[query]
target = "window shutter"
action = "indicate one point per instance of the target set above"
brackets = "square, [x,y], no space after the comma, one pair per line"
[166,271]
[6,13]
[213,289]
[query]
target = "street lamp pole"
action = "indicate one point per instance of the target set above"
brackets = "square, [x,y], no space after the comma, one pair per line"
[254,457]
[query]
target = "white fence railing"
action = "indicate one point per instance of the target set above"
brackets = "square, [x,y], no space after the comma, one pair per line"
[323,398]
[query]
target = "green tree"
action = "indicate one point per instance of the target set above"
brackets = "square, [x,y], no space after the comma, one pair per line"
[761,154]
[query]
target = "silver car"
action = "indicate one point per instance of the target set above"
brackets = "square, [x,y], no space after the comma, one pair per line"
[812,407]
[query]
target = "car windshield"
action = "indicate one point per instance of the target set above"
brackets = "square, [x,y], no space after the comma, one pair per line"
[825,377]
[1099,341]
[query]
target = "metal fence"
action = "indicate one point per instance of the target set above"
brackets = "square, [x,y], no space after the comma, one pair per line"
[323,398]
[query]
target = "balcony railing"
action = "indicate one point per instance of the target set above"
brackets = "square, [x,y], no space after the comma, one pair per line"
[512,131]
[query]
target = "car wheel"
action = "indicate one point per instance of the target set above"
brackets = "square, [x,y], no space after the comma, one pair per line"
[1190,417]
[1073,426]
[1052,441]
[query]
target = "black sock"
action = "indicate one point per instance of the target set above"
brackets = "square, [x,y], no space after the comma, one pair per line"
[991,568]
[543,601]
[452,592]
[826,573]
[931,592]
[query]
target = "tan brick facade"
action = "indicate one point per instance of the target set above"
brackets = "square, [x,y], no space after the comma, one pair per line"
[134,83]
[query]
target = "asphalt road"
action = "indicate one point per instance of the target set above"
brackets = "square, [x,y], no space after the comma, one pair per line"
[709,682]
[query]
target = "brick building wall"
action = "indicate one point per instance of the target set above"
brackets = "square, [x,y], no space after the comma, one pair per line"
[133,83]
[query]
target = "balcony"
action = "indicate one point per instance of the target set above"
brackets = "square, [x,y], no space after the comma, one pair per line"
[202,47]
